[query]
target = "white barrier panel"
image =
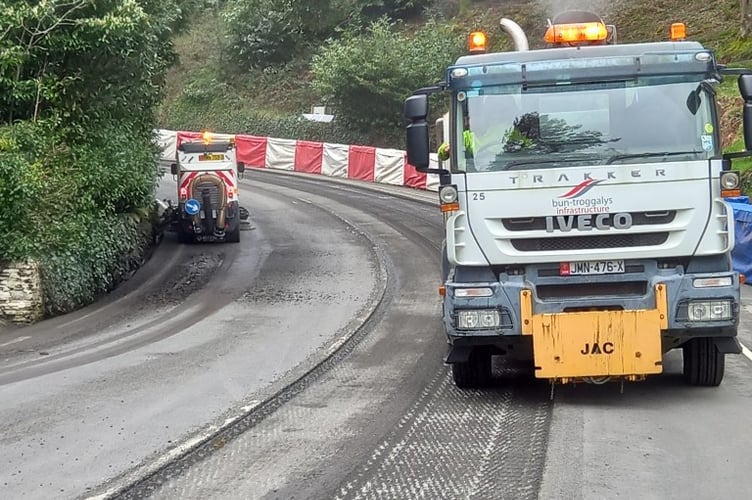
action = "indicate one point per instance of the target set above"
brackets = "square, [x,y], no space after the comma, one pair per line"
[280,154]
[335,160]
[390,166]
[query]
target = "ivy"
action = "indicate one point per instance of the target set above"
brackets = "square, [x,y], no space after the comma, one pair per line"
[79,85]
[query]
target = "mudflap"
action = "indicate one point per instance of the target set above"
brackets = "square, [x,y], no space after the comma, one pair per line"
[573,346]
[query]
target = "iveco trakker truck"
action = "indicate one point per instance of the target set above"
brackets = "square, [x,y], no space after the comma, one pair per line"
[583,198]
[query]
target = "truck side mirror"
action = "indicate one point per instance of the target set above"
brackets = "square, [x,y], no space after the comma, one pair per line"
[174,168]
[745,89]
[241,167]
[416,112]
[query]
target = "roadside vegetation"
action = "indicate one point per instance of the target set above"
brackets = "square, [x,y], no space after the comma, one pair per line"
[80,82]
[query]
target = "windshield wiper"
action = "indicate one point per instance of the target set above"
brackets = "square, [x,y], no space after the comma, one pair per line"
[627,156]
[550,160]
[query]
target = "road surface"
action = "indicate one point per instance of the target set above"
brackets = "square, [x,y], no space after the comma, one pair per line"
[306,362]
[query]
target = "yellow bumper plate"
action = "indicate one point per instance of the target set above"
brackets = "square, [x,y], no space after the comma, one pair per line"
[596,343]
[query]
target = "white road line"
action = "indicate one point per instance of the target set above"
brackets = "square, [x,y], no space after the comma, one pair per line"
[746,351]
[15,341]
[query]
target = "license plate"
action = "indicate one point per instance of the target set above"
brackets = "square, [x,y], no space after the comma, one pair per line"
[211,157]
[591,267]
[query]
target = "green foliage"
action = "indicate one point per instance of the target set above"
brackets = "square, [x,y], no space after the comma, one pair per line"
[398,9]
[244,118]
[22,183]
[263,31]
[79,84]
[101,250]
[367,76]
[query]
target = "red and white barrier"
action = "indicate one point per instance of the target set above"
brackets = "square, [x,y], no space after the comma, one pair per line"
[364,163]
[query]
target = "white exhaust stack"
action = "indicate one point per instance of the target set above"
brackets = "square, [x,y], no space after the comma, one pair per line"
[516,32]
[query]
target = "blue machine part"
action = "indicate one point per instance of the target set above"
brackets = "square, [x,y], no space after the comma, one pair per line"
[192,207]
[741,255]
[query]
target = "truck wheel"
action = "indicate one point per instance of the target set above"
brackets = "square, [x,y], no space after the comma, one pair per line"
[475,372]
[233,236]
[704,364]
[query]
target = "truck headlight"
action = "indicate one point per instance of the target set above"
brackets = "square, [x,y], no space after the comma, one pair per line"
[710,310]
[730,180]
[478,319]
[448,194]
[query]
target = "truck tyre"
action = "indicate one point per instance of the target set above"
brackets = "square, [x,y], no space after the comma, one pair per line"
[704,364]
[233,236]
[475,372]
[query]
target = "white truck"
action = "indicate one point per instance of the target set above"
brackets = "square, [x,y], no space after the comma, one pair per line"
[583,198]
[207,173]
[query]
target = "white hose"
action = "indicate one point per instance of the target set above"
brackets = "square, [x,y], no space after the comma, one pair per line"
[516,32]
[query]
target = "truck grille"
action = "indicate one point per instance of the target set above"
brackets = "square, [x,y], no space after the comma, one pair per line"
[638,219]
[214,193]
[560,244]
[580,290]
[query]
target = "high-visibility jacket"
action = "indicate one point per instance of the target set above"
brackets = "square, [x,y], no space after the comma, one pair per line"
[470,145]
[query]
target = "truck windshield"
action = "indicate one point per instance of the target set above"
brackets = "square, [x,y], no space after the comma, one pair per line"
[651,119]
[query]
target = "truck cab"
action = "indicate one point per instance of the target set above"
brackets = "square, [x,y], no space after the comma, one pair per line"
[207,173]
[583,201]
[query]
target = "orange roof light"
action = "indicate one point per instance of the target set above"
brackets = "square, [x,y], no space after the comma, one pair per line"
[678,32]
[477,43]
[207,137]
[577,32]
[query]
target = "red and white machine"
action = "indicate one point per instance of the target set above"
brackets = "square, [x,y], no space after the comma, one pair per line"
[207,173]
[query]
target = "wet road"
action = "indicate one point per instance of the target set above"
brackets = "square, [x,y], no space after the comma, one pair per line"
[317,374]
[201,330]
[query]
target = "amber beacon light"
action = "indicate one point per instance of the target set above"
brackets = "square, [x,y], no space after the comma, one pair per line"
[678,32]
[576,32]
[477,42]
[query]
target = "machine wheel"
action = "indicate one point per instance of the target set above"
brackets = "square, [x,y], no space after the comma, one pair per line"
[184,237]
[475,372]
[233,236]
[704,364]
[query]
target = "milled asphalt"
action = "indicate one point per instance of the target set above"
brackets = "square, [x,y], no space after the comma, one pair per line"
[86,411]
[380,417]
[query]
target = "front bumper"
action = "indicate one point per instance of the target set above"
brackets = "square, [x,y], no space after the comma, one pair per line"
[553,294]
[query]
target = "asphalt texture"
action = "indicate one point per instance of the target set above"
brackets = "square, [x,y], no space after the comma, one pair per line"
[383,420]
[200,331]
[306,363]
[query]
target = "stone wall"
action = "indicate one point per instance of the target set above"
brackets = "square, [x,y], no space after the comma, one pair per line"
[20,292]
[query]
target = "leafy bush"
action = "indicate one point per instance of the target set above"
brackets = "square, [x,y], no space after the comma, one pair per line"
[241,118]
[367,76]
[262,32]
[399,9]
[79,83]
[94,261]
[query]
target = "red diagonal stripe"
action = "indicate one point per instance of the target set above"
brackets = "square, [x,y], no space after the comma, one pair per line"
[579,187]
[228,180]
[187,179]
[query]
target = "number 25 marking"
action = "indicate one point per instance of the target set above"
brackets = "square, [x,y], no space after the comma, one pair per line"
[479,196]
